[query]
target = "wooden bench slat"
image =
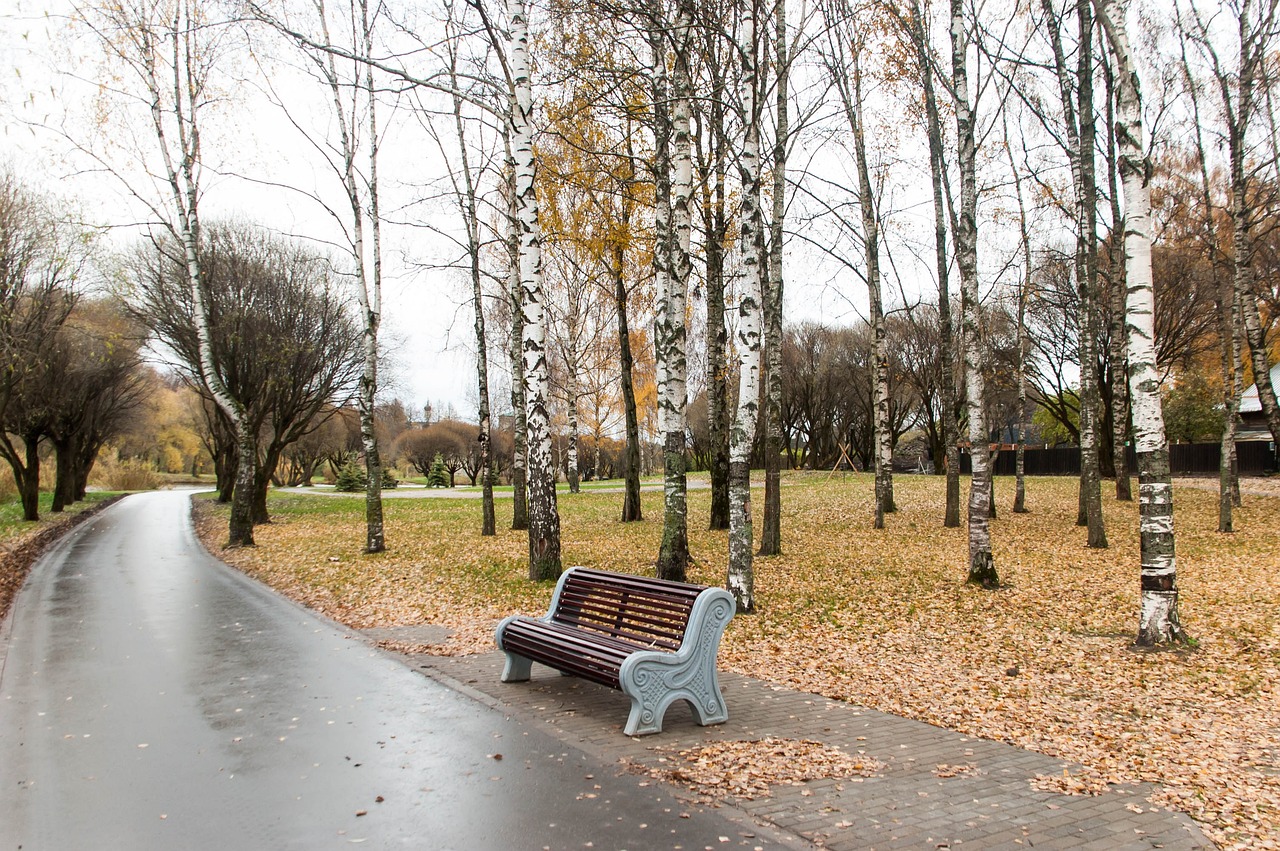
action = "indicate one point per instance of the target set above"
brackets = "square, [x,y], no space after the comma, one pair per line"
[647,629]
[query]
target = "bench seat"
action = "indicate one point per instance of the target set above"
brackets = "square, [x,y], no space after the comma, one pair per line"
[654,640]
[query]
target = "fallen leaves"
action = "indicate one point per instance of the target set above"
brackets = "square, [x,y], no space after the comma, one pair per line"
[882,618]
[1067,783]
[748,769]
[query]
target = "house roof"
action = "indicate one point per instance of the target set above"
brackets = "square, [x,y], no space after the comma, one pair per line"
[1249,402]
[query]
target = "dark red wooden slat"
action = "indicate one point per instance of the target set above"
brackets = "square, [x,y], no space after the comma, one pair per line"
[602,618]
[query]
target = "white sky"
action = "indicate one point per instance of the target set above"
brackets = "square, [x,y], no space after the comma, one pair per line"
[426,328]
[427,315]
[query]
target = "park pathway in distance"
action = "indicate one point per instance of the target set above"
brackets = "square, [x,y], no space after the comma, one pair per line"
[153,698]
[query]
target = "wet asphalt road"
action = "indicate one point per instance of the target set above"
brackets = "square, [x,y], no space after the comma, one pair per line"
[152,698]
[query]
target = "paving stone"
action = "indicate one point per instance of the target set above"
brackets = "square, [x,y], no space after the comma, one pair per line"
[909,806]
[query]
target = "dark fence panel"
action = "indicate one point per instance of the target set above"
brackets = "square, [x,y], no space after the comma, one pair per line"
[1254,458]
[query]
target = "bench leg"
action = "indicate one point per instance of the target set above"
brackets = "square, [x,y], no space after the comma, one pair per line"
[654,684]
[517,669]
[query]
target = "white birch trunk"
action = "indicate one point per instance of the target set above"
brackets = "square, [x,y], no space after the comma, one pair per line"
[471,216]
[572,470]
[982,570]
[366,263]
[741,575]
[1158,618]
[183,180]
[871,245]
[544,519]
[771,522]
[671,327]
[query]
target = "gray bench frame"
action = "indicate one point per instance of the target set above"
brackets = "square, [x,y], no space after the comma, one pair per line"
[652,678]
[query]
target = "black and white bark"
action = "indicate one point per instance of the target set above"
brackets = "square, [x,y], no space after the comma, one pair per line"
[1076,97]
[353,157]
[1158,621]
[1022,343]
[515,295]
[771,521]
[925,62]
[544,517]
[170,53]
[982,569]
[741,575]
[1227,306]
[1118,354]
[670,333]
[467,194]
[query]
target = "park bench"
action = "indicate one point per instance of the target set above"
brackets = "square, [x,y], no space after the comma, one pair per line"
[654,640]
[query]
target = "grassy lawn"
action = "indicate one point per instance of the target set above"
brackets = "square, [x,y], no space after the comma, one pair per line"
[561,487]
[884,619]
[12,526]
[21,541]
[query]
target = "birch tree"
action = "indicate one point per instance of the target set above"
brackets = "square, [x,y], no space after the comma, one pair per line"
[914,23]
[982,569]
[1256,28]
[169,50]
[466,192]
[348,78]
[672,241]
[741,578]
[845,64]
[1228,309]
[544,517]
[771,533]
[1076,98]
[712,154]
[1118,352]
[1158,621]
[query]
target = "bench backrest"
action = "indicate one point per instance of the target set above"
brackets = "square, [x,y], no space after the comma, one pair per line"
[635,609]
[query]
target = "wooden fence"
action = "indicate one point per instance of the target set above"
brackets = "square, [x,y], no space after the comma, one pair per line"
[1254,457]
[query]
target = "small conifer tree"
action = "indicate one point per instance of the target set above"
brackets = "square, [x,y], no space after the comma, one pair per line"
[439,476]
[351,476]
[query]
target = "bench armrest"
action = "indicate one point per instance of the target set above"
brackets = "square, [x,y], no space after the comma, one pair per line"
[654,679]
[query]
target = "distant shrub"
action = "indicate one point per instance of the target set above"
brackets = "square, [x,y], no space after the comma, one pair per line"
[351,476]
[438,477]
[131,476]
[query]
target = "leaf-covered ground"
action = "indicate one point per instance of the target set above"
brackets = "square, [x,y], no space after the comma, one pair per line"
[884,619]
[21,542]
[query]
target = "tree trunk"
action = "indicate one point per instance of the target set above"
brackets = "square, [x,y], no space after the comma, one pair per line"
[484,464]
[674,157]
[544,518]
[946,343]
[1119,354]
[29,480]
[1076,95]
[716,226]
[64,486]
[771,531]
[631,460]
[883,453]
[982,569]
[1158,621]
[1228,479]
[519,428]
[572,473]
[1090,404]
[1024,288]
[741,578]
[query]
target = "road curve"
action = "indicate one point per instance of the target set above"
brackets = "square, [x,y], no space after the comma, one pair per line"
[151,697]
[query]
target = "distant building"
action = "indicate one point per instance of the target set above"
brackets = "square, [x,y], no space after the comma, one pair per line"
[1253,422]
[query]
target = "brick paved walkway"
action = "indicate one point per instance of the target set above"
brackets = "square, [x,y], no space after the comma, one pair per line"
[990,805]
